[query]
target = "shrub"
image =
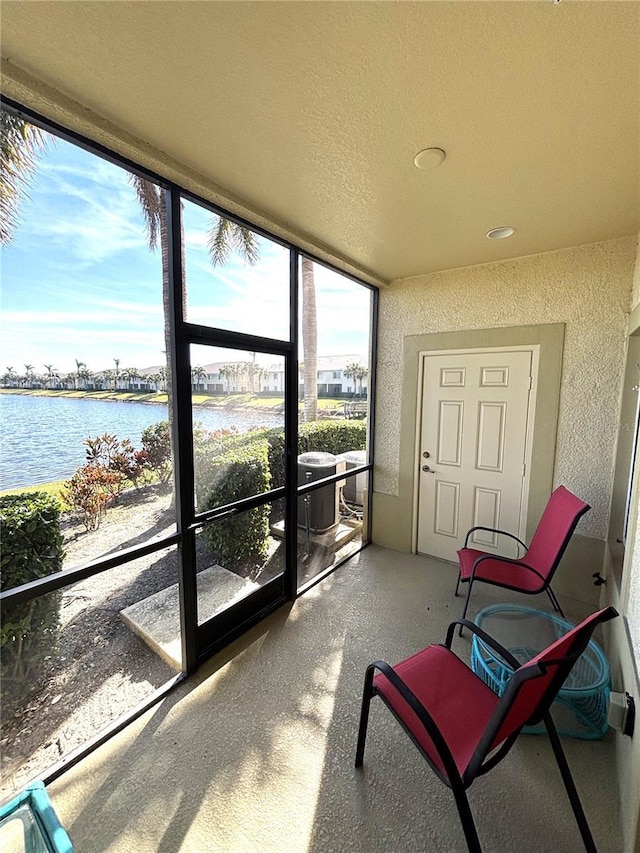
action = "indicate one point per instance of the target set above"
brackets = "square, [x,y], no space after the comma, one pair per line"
[129,462]
[156,443]
[90,491]
[230,466]
[227,475]
[332,436]
[110,464]
[31,549]
[318,436]
[118,456]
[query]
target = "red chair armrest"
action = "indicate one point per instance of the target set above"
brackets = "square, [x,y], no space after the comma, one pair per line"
[486,638]
[493,530]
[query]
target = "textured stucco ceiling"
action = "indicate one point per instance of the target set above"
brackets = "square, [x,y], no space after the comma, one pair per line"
[311,113]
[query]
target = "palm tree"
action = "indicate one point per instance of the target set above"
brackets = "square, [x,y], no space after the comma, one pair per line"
[116,373]
[79,367]
[357,372]
[224,237]
[226,372]
[250,368]
[28,378]
[130,373]
[10,377]
[20,144]
[51,372]
[106,377]
[155,379]
[86,375]
[259,373]
[309,341]
[199,374]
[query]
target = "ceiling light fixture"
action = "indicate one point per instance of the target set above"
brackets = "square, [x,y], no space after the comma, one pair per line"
[501,232]
[429,158]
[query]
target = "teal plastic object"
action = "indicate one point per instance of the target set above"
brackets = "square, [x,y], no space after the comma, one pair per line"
[29,824]
[580,709]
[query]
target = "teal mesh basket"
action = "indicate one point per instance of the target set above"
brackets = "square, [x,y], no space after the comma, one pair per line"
[29,824]
[580,709]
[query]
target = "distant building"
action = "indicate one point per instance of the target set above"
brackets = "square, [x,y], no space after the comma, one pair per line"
[236,378]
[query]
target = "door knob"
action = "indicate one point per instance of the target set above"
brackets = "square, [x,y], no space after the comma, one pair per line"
[426,469]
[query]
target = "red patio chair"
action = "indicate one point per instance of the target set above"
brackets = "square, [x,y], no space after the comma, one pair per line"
[461,727]
[532,573]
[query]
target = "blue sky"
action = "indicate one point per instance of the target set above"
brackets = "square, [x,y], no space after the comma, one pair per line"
[79,280]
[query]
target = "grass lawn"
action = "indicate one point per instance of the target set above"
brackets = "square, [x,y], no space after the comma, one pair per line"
[221,400]
[136,396]
[53,489]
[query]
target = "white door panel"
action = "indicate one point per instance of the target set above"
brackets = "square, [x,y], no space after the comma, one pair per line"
[473,441]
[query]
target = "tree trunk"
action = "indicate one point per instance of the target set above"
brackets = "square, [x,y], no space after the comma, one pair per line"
[166,306]
[309,341]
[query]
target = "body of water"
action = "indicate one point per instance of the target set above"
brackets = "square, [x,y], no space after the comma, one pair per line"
[41,437]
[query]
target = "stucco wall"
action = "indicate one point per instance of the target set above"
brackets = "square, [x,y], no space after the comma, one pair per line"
[588,288]
[632,568]
[623,635]
[635,299]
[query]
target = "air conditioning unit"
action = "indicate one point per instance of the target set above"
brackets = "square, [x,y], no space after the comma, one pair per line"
[318,509]
[354,486]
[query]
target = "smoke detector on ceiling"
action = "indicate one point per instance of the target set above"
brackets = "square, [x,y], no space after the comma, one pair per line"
[501,232]
[429,158]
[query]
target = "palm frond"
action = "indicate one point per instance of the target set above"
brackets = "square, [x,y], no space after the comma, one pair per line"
[151,198]
[218,241]
[20,145]
[246,244]
[226,236]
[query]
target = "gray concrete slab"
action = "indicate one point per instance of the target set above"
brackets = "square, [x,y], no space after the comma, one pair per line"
[156,619]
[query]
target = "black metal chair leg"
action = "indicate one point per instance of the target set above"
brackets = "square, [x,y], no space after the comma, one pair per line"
[466,819]
[466,605]
[555,602]
[572,793]
[367,695]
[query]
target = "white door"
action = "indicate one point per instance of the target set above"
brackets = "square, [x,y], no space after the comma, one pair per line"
[472,453]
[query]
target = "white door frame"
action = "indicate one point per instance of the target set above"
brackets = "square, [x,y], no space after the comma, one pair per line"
[534,349]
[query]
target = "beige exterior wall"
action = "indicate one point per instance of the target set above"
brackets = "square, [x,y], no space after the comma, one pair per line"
[623,646]
[631,577]
[588,288]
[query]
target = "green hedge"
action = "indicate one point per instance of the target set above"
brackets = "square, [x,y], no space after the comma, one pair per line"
[227,475]
[332,436]
[31,549]
[229,468]
[318,437]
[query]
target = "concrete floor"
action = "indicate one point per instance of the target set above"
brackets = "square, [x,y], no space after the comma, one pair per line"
[255,753]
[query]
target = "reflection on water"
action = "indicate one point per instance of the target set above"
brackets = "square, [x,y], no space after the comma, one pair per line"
[41,437]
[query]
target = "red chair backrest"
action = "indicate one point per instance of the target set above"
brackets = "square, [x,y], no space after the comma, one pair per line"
[559,520]
[527,701]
